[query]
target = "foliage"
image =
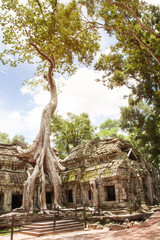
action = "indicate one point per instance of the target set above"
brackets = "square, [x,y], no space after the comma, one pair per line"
[4,138]
[110,129]
[19,138]
[54,28]
[68,133]
[142,122]
[134,61]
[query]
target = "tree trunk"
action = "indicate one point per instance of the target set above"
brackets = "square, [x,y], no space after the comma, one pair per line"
[42,155]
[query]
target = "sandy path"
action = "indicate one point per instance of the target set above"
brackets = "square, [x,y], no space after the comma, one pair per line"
[149,230]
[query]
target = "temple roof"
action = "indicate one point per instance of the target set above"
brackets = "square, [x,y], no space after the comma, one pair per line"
[97,147]
[8,149]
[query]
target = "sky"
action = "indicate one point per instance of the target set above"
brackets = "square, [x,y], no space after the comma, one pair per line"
[21,108]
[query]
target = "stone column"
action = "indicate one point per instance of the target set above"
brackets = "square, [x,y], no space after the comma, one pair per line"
[94,192]
[7,206]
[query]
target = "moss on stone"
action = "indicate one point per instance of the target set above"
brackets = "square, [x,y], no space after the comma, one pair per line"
[106,174]
[70,176]
[87,175]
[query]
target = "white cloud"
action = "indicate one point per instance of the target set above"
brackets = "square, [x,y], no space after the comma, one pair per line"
[83,94]
[42,98]
[156,2]
[15,116]
[65,1]
[11,122]
[26,90]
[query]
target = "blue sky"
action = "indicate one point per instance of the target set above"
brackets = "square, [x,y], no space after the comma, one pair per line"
[20,108]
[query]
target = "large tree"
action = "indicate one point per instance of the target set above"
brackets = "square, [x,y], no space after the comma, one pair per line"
[134,61]
[71,131]
[54,34]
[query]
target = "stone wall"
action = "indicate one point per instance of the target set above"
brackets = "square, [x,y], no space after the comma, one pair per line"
[12,177]
[122,177]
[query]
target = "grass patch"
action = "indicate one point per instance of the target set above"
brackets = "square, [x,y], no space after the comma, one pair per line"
[6,231]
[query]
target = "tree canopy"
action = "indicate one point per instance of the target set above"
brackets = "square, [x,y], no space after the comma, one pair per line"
[70,132]
[134,61]
[48,27]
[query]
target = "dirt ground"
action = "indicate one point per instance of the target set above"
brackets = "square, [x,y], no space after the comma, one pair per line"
[149,230]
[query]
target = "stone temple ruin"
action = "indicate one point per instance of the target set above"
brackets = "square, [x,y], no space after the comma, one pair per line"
[12,177]
[121,177]
[109,173]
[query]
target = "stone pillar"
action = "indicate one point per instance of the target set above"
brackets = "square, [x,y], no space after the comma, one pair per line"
[149,185]
[94,193]
[7,206]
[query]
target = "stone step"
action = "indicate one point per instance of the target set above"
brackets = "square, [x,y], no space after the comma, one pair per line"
[47,224]
[39,234]
[46,228]
[51,222]
[58,226]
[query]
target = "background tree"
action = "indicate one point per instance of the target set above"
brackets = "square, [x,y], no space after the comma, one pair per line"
[56,35]
[4,138]
[70,132]
[19,138]
[108,128]
[143,126]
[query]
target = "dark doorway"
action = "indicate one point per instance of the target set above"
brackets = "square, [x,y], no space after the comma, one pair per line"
[110,193]
[1,201]
[69,196]
[16,201]
[89,195]
[49,197]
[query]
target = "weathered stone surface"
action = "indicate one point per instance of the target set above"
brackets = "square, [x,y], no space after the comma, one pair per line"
[12,177]
[116,227]
[8,150]
[123,179]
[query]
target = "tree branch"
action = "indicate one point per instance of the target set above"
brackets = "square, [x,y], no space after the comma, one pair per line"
[156,82]
[54,7]
[102,26]
[147,48]
[137,38]
[55,4]
[41,53]
[51,60]
[40,6]
[138,20]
